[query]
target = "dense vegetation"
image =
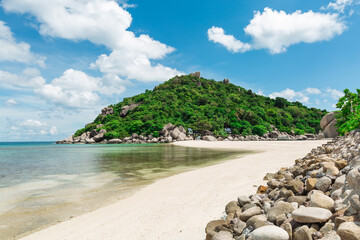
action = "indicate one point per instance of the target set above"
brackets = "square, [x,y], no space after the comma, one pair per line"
[349,115]
[203,104]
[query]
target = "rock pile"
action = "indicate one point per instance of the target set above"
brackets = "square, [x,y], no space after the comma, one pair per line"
[170,133]
[317,198]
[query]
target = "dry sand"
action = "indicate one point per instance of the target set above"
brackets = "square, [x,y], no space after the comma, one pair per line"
[180,206]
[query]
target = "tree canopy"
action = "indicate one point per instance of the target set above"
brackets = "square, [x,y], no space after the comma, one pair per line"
[203,104]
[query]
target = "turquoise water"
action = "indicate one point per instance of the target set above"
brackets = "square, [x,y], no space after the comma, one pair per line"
[43,183]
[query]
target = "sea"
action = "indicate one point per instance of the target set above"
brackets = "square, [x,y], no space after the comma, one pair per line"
[43,183]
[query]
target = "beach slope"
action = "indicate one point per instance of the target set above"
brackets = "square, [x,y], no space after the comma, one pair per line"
[180,206]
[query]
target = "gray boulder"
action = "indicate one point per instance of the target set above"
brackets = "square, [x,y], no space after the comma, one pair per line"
[127,108]
[327,124]
[209,138]
[107,111]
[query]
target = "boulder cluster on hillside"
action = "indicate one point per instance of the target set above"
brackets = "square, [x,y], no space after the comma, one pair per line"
[317,198]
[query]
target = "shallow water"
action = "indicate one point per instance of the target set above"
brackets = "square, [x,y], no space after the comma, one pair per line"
[44,183]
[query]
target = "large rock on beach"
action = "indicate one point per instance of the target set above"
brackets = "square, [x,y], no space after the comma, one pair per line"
[269,233]
[311,215]
[209,138]
[327,124]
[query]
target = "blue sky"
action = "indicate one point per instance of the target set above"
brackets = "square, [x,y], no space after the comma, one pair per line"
[61,61]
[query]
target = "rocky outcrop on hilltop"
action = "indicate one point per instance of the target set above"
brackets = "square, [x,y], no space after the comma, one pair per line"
[328,125]
[317,198]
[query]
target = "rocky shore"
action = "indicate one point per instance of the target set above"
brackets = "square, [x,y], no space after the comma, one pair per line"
[317,198]
[172,133]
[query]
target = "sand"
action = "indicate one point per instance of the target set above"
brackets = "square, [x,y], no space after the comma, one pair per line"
[180,206]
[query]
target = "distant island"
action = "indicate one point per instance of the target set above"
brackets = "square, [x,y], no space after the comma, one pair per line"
[200,107]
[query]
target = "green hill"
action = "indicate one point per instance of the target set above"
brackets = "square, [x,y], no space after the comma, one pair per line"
[201,104]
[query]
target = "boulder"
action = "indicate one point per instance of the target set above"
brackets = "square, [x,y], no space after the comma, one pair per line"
[319,199]
[107,111]
[114,141]
[243,199]
[209,138]
[127,108]
[99,137]
[302,233]
[269,233]
[195,74]
[244,216]
[349,231]
[311,215]
[323,184]
[278,209]
[222,235]
[328,125]
[274,134]
[284,138]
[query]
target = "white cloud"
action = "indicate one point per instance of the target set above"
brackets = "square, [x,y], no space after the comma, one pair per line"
[13,51]
[11,102]
[133,66]
[334,93]
[277,30]
[217,35]
[291,95]
[101,22]
[313,91]
[339,5]
[76,89]
[32,127]
[29,78]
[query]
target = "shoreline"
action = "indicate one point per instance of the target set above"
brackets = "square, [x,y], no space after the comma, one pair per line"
[161,210]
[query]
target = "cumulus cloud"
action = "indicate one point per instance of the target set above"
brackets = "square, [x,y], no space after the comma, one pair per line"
[340,5]
[291,95]
[101,22]
[11,102]
[217,35]
[313,91]
[76,89]
[334,93]
[29,78]
[32,127]
[277,30]
[133,66]
[13,51]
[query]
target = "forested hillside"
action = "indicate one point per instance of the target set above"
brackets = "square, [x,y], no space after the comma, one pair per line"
[201,104]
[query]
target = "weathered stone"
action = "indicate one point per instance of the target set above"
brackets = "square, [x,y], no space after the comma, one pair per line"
[299,199]
[327,228]
[257,221]
[213,225]
[107,111]
[296,186]
[353,178]
[349,231]
[323,184]
[232,207]
[239,226]
[99,137]
[339,182]
[284,138]
[244,216]
[243,199]
[278,209]
[222,235]
[209,138]
[310,184]
[125,110]
[319,199]
[311,215]
[274,134]
[269,233]
[115,140]
[302,233]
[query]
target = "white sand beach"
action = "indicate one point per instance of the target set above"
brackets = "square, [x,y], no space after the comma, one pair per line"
[180,206]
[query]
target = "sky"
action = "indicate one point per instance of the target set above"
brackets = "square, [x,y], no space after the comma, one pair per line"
[62,61]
